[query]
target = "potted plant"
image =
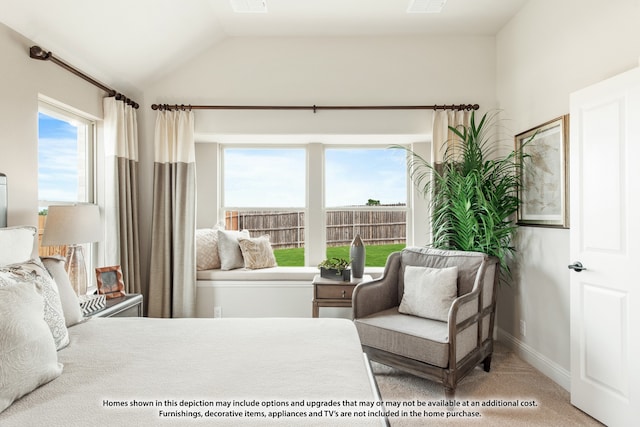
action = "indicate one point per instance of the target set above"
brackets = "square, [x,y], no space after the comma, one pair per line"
[335,269]
[474,191]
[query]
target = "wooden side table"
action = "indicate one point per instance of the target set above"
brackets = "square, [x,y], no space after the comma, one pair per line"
[332,293]
[127,306]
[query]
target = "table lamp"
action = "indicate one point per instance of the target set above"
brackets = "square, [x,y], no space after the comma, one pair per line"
[73,225]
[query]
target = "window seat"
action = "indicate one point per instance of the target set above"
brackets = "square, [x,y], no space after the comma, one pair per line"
[267,292]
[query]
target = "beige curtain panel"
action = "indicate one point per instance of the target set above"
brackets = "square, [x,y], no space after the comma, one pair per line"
[122,241]
[172,275]
[442,135]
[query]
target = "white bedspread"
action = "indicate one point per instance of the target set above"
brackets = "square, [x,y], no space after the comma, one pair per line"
[206,363]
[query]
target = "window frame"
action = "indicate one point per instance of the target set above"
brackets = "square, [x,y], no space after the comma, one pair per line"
[62,112]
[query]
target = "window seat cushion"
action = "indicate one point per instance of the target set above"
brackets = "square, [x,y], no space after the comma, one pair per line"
[263,274]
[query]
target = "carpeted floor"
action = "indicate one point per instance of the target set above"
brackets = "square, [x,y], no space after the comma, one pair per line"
[510,380]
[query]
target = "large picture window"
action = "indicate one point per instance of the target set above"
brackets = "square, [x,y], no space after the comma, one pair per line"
[313,199]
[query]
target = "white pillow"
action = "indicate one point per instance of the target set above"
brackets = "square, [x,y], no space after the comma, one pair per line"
[207,257]
[429,292]
[16,244]
[68,298]
[33,272]
[257,252]
[28,357]
[229,248]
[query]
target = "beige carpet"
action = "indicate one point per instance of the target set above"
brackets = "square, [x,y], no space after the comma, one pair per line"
[510,379]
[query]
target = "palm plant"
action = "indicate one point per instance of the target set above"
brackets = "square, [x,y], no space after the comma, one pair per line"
[474,192]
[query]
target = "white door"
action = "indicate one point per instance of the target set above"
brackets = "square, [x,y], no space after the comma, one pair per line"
[605,239]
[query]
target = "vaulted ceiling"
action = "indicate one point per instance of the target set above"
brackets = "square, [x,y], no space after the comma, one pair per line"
[128,42]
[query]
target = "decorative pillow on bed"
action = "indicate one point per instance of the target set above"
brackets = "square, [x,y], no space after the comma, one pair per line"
[16,244]
[429,292]
[68,298]
[33,272]
[257,252]
[28,356]
[207,257]
[229,248]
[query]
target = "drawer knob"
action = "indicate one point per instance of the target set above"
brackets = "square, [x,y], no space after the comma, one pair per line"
[344,293]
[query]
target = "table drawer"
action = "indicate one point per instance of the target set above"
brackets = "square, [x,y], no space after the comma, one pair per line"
[334,291]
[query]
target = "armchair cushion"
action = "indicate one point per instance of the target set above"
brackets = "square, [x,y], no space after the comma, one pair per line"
[414,337]
[429,292]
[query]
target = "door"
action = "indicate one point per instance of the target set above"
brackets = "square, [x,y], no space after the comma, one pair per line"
[605,239]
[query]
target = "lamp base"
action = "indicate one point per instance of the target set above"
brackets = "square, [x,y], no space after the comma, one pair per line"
[77,269]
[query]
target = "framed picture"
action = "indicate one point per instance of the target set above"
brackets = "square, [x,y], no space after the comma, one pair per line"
[544,174]
[110,283]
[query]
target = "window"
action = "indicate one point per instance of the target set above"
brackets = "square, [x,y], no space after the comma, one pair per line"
[264,191]
[65,164]
[366,194]
[313,199]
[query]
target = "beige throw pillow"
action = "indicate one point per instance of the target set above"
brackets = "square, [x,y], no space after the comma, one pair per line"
[229,248]
[257,252]
[207,257]
[28,357]
[429,292]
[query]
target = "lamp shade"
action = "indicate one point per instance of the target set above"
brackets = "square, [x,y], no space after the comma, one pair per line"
[72,224]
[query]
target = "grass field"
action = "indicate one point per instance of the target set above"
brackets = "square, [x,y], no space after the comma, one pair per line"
[376,254]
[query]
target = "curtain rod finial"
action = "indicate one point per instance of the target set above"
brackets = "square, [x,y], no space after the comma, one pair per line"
[36,52]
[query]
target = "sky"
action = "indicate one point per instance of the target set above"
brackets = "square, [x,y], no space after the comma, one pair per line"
[276,177]
[57,160]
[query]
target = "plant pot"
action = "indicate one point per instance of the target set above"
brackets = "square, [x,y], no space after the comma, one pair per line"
[334,274]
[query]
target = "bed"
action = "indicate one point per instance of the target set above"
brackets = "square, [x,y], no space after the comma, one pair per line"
[149,372]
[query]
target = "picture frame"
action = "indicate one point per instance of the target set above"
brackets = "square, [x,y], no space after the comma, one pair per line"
[543,156]
[110,282]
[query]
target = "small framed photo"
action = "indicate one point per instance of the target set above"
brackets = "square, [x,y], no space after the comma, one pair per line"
[110,283]
[544,174]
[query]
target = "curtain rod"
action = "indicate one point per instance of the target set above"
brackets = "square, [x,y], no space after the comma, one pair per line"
[315,108]
[36,52]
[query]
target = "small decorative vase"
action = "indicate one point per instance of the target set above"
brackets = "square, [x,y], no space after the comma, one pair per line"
[357,254]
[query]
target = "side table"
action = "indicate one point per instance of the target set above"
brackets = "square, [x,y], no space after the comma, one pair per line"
[127,306]
[333,293]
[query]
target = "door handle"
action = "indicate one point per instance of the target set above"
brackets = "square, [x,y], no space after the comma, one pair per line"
[577,266]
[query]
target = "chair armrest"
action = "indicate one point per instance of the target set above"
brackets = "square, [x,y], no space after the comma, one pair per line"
[380,294]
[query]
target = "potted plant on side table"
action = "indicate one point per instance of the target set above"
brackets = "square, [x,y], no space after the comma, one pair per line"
[335,269]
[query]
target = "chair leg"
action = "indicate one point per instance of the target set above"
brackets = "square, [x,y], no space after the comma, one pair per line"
[449,393]
[487,364]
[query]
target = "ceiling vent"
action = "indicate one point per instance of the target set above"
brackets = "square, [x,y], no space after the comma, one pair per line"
[426,6]
[249,6]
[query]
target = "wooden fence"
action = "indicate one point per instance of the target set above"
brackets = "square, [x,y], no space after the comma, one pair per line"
[286,229]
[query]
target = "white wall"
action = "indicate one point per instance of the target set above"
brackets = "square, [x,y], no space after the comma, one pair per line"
[550,49]
[22,80]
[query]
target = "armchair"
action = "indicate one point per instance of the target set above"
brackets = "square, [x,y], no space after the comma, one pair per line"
[440,350]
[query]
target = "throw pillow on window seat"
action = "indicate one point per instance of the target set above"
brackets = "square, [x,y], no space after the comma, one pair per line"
[257,252]
[207,257]
[229,248]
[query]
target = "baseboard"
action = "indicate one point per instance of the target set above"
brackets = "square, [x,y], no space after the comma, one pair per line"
[542,363]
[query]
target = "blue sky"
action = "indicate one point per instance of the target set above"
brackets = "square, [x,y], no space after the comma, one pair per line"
[57,160]
[276,177]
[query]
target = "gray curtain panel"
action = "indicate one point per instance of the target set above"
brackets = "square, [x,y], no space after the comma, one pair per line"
[122,239]
[172,276]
